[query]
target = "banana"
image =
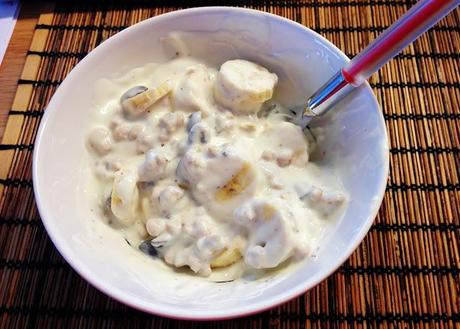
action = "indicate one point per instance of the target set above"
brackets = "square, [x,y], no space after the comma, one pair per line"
[261,96]
[193,91]
[271,232]
[287,143]
[135,105]
[219,182]
[243,86]
[226,258]
[125,197]
[235,185]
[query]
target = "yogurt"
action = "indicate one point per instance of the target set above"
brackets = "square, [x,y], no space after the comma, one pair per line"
[190,170]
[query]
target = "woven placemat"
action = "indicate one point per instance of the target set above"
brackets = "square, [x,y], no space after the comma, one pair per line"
[405,274]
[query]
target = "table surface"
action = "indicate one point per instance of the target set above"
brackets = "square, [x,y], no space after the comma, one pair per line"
[15,56]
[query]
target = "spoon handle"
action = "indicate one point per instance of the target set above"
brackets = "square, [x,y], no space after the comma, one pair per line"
[423,15]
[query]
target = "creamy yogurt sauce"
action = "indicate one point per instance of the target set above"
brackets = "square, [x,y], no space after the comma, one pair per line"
[189,170]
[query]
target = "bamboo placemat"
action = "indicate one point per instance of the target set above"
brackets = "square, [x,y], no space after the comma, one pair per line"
[405,274]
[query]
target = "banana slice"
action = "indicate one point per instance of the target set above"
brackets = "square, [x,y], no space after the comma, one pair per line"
[228,257]
[272,236]
[235,185]
[287,143]
[136,100]
[220,183]
[243,86]
[193,91]
[125,197]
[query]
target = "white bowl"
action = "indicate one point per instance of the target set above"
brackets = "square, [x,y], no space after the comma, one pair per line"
[356,146]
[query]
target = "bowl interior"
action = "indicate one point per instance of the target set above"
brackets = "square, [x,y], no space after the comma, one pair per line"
[355,145]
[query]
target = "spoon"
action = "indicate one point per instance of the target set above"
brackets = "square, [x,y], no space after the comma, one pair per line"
[423,15]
